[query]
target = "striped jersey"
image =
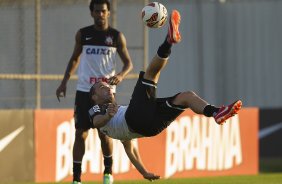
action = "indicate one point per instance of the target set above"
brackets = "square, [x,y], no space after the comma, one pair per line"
[98,57]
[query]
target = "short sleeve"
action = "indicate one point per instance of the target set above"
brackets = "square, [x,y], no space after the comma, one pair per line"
[97,110]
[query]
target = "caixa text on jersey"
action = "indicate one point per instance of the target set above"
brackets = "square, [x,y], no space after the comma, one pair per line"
[98,51]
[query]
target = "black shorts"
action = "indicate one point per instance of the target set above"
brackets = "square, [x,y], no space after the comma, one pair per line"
[148,115]
[81,108]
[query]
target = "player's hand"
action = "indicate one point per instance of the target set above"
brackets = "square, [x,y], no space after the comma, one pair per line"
[61,91]
[112,109]
[114,80]
[151,176]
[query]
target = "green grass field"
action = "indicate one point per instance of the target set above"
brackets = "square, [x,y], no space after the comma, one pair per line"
[267,178]
[263,178]
[270,173]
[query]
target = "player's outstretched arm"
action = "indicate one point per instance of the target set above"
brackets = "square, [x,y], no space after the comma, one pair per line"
[135,159]
[71,67]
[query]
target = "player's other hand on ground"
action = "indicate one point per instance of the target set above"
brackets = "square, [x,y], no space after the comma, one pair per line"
[151,176]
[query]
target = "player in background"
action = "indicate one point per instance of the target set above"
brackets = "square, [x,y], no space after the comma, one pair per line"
[94,53]
[146,115]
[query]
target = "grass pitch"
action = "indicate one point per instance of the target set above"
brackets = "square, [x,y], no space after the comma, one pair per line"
[259,179]
[273,178]
[270,173]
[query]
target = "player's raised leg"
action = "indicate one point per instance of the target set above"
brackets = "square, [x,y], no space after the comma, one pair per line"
[160,60]
[191,100]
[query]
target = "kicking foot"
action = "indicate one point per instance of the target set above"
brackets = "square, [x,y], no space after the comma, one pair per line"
[225,112]
[173,32]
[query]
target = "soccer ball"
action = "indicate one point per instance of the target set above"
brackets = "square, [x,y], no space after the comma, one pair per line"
[154,15]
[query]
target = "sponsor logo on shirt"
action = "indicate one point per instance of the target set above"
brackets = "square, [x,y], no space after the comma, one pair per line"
[94,80]
[98,51]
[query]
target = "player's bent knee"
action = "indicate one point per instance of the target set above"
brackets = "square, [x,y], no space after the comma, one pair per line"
[189,94]
[183,97]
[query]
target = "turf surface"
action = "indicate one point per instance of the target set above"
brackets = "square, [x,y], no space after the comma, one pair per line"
[267,178]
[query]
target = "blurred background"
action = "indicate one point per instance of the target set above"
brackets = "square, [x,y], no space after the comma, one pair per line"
[230,49]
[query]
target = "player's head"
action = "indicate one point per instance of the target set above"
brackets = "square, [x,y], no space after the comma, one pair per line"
[100,11]
[101,93]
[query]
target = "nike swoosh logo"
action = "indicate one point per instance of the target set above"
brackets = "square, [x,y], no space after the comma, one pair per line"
[225,109]
[88,38]
[4,142]
[269,130]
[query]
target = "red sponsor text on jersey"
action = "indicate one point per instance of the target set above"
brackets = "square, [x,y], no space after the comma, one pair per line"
[94,80]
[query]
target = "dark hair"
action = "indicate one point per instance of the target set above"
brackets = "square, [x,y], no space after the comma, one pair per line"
[93,2]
